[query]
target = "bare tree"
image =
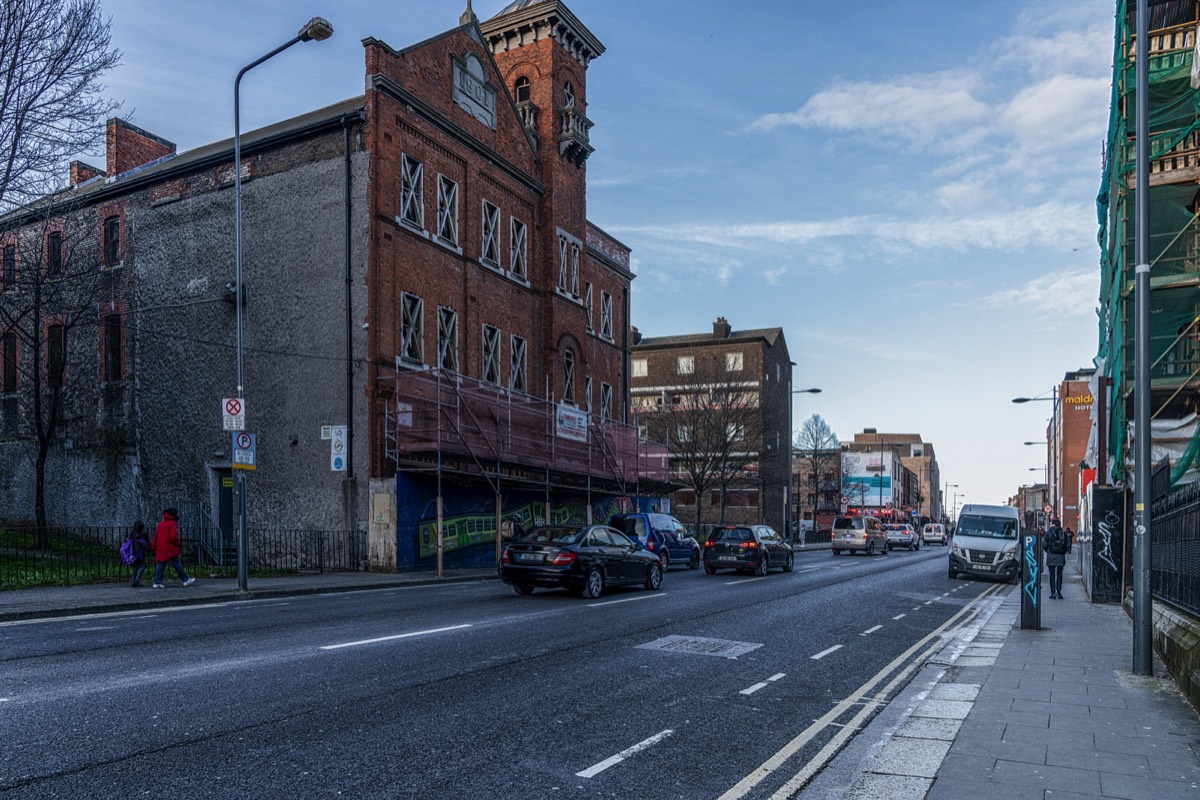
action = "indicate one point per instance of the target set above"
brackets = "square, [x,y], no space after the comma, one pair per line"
[50,340]
[713,427]
[823,450]
[52,56]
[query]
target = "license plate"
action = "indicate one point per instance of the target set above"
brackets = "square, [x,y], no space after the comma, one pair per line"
[982,567]
[530,558]
[848,536]
[727,558]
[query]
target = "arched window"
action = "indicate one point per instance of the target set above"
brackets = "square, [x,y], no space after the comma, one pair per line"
[521,89]
[569,94]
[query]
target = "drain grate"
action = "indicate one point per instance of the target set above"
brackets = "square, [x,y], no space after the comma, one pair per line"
[700,646]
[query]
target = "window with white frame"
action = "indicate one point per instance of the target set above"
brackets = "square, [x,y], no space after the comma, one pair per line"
[516,366]
[639,367]
[735,431]
[686,365]
[412,191]
[606,409]
[569,377]
[575,270]
[516,244]
[587,302]
[683,434]
[491,353]
[411,328]
[587,393]
[733,362]
[564,249]
[447,211]
[490,246]
[448,339]
[606,321]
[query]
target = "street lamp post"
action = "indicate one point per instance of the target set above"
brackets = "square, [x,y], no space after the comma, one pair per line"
[316,29]
[944,493]
[792,503]
[1053,443]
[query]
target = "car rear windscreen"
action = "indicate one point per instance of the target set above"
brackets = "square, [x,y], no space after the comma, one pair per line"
[849,523]
[731,534]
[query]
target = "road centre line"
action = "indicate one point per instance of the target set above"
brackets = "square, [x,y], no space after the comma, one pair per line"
[751,690]
[390,638]
[900,616]
[927,602]
[99,628]
[625,600]
[826,652]
[596,769]
[869,631]
[789,789]
[745,580]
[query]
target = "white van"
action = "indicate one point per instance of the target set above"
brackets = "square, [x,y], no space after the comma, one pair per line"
[934,533]
[987,542]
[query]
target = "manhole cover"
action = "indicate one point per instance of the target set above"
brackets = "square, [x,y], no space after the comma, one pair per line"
[700,646]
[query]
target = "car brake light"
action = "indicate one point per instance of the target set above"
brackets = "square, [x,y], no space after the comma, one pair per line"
[506,558]
[750,545]
[710,544]
[562,558]
[650,545]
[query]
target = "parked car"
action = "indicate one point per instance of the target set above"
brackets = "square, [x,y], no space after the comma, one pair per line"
[934,532]
[747,547]
[902,535]
[662,535]
[859,533]
[585,559]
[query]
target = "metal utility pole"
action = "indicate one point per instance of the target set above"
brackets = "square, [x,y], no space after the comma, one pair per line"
[1142,633]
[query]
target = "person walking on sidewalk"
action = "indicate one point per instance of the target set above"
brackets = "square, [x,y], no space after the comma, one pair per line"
[1057,544]
[139,546]
[166,549]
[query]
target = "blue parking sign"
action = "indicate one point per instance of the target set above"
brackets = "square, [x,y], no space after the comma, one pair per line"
[244,456]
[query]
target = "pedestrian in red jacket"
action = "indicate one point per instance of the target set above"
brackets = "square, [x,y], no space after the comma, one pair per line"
[165,545]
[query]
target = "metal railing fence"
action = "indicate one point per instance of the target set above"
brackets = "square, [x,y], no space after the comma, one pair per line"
[71,555]
[1175,549]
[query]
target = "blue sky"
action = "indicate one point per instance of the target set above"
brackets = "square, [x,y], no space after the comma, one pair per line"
[906,187]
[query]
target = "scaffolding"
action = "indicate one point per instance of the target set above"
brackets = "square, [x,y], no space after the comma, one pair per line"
[1174,241]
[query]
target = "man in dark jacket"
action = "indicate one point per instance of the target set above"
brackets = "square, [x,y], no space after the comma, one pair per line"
[1057,544]
[166,547]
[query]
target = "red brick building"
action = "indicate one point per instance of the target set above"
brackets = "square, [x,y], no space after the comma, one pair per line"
[420,270]
[1067,433]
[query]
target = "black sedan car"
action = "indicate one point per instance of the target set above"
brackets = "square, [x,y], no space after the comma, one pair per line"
[583,559]
[746,547]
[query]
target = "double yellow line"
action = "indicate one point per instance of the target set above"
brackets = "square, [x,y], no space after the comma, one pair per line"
[964,616]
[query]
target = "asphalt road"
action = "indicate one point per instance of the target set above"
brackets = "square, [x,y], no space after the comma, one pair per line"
[471,691]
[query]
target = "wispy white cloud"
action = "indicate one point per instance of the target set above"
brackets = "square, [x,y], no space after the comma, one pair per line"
[1070,293]
[878,349]
[1045,224]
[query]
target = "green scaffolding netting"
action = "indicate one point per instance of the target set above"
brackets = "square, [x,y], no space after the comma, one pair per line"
[1174,236]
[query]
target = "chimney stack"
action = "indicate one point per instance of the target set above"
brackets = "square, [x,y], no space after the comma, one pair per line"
[635,335]
[721,329]
[81,172]
[130,147]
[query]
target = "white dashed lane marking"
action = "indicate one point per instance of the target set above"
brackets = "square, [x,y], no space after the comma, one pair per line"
[900,616]
[869,631]
[826,652]
[390,638]
[596,769]
[764,684]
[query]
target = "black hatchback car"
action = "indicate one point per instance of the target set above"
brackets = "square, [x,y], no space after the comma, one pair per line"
[747,547]
[583,559]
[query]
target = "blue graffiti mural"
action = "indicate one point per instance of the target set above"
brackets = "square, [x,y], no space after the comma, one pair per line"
[1031,560]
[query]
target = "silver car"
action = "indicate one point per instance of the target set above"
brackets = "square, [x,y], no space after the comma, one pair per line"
[858,533]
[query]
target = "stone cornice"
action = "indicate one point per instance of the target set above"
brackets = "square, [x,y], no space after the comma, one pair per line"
[539,21]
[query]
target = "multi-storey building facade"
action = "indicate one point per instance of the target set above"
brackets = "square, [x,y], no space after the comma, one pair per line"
[1173,247]
[419,268]
[721,400]
[1067,442]
[904,472]
[817,485]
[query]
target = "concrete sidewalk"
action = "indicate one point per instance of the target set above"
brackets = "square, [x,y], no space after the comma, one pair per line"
[1050,713]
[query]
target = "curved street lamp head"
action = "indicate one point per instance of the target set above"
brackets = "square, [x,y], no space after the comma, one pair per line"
[1042,442]
[1022,399]
[806,391]
[316,29]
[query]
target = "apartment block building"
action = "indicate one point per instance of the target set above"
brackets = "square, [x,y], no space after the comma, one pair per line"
[719,400]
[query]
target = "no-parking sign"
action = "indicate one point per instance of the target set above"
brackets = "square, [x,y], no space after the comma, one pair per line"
[244,456]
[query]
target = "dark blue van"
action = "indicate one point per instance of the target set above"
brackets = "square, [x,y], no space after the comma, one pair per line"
[662,535]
